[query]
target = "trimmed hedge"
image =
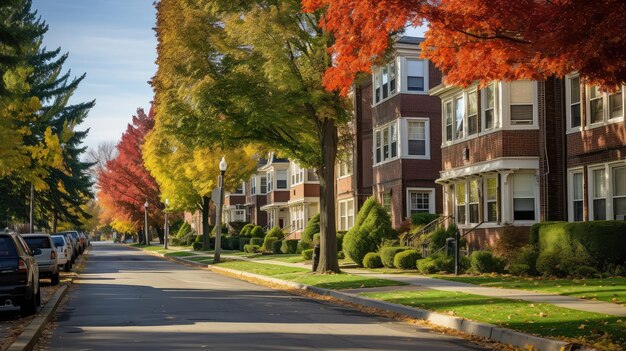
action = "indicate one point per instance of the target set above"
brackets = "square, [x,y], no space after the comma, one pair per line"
[197,246]
[422,218]
[243,242]
[275,232]
[372,260]
[268,243]
[603,241]
[307,254]
[371,227]
[312,228]
[303,245]
[387,254]
[485,262]
[250,248]
[257,232]
[406,259]
[276,245]
[230,243]
[245,231]
[289,246]
[256,241]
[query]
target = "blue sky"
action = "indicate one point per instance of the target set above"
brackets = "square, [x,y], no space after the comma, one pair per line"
[113,42]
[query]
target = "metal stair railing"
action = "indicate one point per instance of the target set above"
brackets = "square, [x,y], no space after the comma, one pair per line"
[434,224]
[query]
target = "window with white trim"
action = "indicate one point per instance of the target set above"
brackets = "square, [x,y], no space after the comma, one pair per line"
[346,214]
[344,165]
[253,185]
[619,192]
[491,199]
[386,202]
[297,174]
[489,106]
[459,112]
[386,142]
[270,182]
[281,179]
[573,94]
[521,102]
[461,201]
[616,104]
[577,196]
[523,196]
[474,202]
[297,217]
[604,107]
[264,184]
[238,215]
[472,113]
[596,105]
[449,120]
[415,75]
[385,81]
[598,194]
[420,201]
[416,138]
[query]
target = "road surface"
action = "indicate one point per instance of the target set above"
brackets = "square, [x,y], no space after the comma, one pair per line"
[129,300]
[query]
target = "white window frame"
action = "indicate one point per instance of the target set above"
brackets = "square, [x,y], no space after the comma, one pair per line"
[484,107]
[613,195]
[608,204]
[506,87]
[404,74]
[345,168]
[379,133]
[253,181]
[345,215]
[467,113]
[404,137]
[431,199]
[297,174]
[270,181]
[456,203]
[570,192]
[568,103]
[486,200]
[286,179]
[605,109]
[261,184]
[511,182]
[377,77]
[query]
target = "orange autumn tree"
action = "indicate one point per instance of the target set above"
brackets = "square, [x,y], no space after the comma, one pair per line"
[482,40]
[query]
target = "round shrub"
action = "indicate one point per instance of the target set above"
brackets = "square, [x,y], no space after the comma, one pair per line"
[312,228]
[257,232]
[485,262]
[289,246]
[372,225]
[316,239]
[303,245]
[307,254]
[444,263]
[372,260]
[245,231]
[527,255]
[406,259]
[267,243]
[426,266]
[250,248]
[275,232]
[197,246]
[519,269]
[387,253]
[276,245]
[586,271]
[256,241]
[548,263]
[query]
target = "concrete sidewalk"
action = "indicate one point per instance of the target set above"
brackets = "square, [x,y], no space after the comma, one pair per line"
[424,282]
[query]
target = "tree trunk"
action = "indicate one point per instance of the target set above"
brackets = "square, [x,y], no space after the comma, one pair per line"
[205,222]
[159,231]
[328,234]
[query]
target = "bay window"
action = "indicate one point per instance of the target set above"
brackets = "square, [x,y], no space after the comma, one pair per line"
[416,138]
[297,174]
[460,203]
[598,194]
[489,106]
[472,113]
[415,74]
[270,182]
[253,185]
[492,199]
[384,81]
[521,102]
[449,112]
[474,201]
[386,143]
[264,184]
[281,179]
[596,105]
[459,110]
[523,197]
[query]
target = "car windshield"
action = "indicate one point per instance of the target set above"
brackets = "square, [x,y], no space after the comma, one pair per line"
[58,241]
[7,249]
[38,242]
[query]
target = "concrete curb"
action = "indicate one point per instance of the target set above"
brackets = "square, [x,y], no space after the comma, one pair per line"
[30,335]
[484,330]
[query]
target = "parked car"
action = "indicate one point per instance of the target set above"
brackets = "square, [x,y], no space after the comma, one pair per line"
[47,259]
[19,274]
[64,251]
[75,243]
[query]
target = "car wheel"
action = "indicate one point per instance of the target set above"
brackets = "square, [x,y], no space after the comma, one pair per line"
[67,266]
[55,279]
[29,307]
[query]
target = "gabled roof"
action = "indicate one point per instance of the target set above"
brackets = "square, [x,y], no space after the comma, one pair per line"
[405,39]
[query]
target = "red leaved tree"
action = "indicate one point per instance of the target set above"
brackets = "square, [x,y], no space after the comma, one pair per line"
[125,184]
[483,40]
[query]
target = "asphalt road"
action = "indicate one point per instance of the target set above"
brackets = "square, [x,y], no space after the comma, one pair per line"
[128,300]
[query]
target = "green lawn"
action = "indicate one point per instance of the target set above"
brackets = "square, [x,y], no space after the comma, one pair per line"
[539,319]
[201,259]
[608,290]
[180,254]
[304,276]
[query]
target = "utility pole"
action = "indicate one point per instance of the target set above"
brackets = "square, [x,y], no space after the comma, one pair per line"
[31,227]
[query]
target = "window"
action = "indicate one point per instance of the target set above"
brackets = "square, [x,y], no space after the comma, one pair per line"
[599,194]
[472,113]
[297,217]
[577,196]
[619,193]
[492,199]
[346,214]
[264,184]
[521,100]
[596,105]
[419,201]
[489,103]
[387,202]
[449,112]
[415,75]
[460,203]
[239,215]
[297,174]
[252,185]
[524,197]
[311,176]
[417,138]
[384,82]
[474,201]
[270,183]
[574,103]
[386,143]
[459,107]
[616,105]
[281,179]
[240,189]
[344,166]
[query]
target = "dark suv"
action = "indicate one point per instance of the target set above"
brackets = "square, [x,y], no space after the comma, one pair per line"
[19,274]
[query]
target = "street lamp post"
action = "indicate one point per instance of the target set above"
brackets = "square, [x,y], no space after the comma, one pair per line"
[218,219]
[166,229]
[145,224]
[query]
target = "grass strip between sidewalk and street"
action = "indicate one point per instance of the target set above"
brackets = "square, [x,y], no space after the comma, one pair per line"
[607,289]
[546,320]
[305,276]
